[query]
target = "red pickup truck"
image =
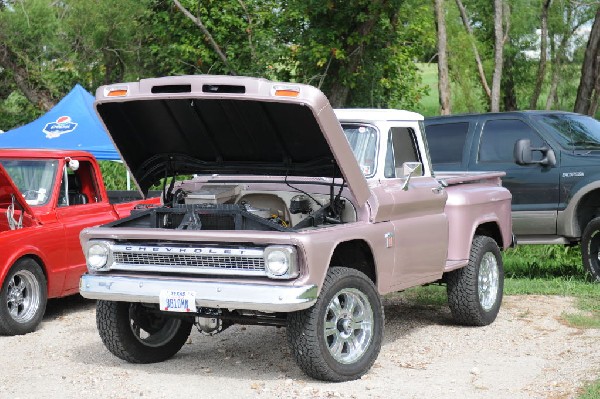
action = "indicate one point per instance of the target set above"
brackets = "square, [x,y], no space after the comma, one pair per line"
[46,198]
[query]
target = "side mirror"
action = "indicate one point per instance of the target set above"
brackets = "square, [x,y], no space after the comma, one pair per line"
[523,154]
[408,170]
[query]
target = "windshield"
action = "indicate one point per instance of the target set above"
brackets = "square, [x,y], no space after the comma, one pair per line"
[573,131]
[33,178]
[363,140]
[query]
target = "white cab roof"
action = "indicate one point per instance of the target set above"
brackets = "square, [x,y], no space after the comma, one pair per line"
[369,114]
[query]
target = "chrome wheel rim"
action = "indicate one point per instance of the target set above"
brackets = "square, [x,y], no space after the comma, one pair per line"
[488,281]
[348,325]
[152,330]
[23,296]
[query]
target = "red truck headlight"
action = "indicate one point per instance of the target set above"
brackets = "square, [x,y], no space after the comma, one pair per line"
[281,261]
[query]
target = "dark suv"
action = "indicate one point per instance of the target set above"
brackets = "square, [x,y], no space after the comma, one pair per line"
[552,165]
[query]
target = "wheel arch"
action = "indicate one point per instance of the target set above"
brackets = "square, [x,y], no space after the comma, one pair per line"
[355,254]
[583,207]
[492,230]
[21,256]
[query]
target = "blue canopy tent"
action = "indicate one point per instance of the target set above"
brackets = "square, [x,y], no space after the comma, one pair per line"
[71,125]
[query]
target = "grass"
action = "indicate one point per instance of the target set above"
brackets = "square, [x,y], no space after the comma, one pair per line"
[592,391]
[429,104]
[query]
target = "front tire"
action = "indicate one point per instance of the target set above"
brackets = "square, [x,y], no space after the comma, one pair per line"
[475,291]
[23,298]
[590,245]
[138,334]
[339,337]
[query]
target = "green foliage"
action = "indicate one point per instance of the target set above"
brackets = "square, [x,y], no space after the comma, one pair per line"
[543,261]
[16,110]
[114,175]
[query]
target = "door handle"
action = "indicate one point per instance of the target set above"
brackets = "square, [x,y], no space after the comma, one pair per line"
[437,190]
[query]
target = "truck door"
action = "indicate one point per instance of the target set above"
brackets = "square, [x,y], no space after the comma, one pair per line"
[79,206]
[420,224]
[534,187]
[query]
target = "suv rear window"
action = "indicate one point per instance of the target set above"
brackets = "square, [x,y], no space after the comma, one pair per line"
[446,142]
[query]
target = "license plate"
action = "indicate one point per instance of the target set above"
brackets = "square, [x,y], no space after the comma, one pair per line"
[177,301]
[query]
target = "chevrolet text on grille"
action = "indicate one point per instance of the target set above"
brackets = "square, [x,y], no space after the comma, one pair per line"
[189,250]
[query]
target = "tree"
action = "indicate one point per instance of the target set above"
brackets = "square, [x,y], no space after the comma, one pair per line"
[586,101]
[541,72]
[465,20]
[500,34]
[443,80]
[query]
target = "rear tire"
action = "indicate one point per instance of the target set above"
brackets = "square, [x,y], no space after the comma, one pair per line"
[339,337]
[475,291]
[138,334]
[590,245]
[23,298]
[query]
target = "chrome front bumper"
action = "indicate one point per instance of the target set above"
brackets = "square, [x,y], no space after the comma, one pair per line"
[225,295]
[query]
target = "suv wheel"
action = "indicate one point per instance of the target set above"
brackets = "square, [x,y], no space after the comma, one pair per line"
[590,244]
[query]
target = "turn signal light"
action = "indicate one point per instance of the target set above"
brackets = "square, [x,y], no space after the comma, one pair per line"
[286,91]
[116,91]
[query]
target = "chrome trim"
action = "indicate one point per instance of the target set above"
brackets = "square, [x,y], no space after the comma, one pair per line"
[259,297]
[187,259]
[211,251]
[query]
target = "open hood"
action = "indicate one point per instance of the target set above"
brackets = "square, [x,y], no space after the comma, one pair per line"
[226,125]
[8,191]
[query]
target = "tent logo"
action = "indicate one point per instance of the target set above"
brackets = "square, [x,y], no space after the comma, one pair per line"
[61,126]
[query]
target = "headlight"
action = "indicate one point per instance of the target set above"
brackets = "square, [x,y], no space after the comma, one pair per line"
[281,262]
[97,255]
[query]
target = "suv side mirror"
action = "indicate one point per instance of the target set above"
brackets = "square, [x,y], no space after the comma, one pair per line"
[408,170]
[523,154]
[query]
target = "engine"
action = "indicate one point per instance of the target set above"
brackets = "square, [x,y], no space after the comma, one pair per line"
[230,207]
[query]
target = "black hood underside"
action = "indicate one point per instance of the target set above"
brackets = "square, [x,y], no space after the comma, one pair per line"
[179,136]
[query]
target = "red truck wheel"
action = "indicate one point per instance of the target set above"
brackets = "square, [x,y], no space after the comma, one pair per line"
[590,245]
[475,291]
[138,334]
[339,337]
[22,298]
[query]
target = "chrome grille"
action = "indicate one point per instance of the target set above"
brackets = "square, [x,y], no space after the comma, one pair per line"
[196,260]
[224,262]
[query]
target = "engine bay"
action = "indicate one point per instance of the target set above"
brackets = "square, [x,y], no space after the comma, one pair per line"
[237,207]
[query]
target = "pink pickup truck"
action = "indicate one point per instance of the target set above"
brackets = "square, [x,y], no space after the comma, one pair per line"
[298,215]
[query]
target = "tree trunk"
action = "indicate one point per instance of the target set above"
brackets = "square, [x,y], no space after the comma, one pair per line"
[541,72]
[465,20]
[499,39]
[509,94]
[41,98]
[442,41]
[589,70]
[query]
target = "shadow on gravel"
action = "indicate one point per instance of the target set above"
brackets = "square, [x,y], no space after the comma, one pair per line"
[58,307]
[255,352]
[404,317]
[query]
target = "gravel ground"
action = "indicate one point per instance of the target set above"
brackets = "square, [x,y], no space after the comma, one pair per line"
[528,352]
